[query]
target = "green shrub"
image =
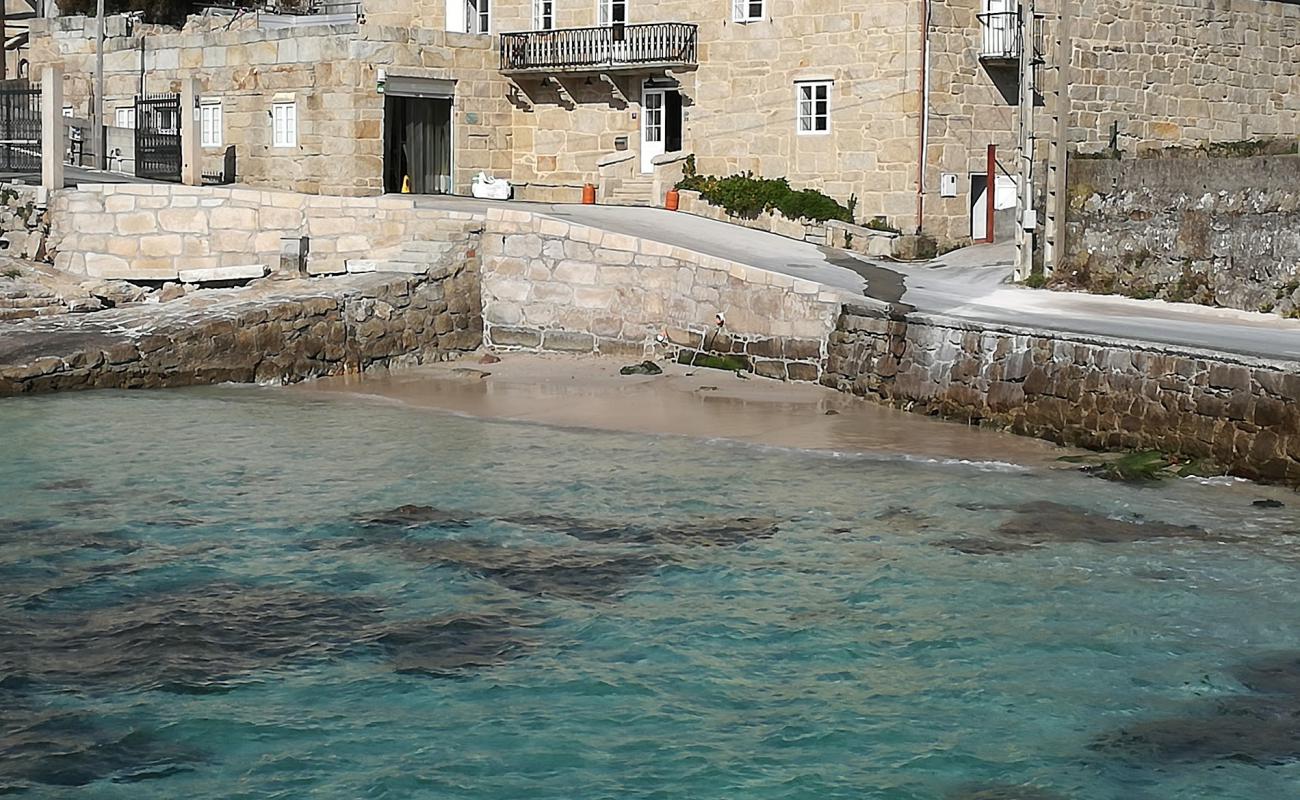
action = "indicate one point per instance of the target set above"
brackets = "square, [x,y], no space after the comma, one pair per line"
[746,196]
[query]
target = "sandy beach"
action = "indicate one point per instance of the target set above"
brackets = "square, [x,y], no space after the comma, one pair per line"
[589,392]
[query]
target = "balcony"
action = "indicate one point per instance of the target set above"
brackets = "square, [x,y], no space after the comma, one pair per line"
[1000,37]
[616,47]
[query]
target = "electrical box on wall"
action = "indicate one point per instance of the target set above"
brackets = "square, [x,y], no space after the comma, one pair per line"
[948,184]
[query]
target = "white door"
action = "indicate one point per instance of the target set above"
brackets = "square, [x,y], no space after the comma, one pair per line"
[652,127]
[1000,28]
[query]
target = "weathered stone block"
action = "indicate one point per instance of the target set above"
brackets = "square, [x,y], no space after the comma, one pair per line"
[568,341]
[514,337]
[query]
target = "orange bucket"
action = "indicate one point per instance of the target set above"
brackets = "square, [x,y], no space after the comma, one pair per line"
[588,195]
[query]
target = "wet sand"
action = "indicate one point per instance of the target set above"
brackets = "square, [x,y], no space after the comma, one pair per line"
[588,392]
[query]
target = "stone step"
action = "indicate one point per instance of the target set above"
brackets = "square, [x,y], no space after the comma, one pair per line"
[240,272]
[385,265]
[7,314]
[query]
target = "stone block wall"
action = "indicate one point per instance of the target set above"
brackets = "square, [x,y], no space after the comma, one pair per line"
[150,232]
[1241,414]
[1218,231]
[329,71]
[300,330]
[552,285]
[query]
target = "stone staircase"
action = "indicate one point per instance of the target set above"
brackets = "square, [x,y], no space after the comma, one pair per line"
[632,192]
[29,301]
[415,258]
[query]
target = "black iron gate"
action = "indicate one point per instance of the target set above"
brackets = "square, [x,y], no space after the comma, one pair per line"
[158,137]
[20,126]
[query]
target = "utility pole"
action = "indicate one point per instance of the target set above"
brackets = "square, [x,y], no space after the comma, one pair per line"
[1025,212]
[1058,158]
[4,38]
[97,113]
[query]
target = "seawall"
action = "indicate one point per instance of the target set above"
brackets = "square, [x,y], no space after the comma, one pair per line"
[1238,413]
[272,332]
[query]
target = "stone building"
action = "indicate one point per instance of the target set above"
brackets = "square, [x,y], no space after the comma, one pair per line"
[894,103]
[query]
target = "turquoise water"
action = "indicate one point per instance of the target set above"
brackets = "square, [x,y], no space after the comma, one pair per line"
[205,595]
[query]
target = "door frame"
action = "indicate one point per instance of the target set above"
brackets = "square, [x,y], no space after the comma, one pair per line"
[647,167]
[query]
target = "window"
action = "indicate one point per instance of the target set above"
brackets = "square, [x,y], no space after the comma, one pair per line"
[611,12]
[813,107]
[746,10]
[543,15]
[478,19]
[168,121]
[284,124]
[67,111]
[210,123]
[125,117]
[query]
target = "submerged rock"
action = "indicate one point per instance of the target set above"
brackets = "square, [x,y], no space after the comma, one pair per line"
[977,546]
[1268,503]
[547,572]
[454,645]
[1045,521]
[207,639]
[1002,793]
[41,747]
[1251,730]
[710,532]
[1274,672]
[412,516]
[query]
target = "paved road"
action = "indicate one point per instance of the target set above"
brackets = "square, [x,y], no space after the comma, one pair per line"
[969,284]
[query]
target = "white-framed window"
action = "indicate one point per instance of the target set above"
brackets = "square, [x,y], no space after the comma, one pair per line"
[746,10]
[812,101]
[610,12]
[67,111]
[210,123]
[543,15]
[284,123]
[478,16]
[124,117]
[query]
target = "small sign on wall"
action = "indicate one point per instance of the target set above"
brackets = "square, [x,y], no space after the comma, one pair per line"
[948,184]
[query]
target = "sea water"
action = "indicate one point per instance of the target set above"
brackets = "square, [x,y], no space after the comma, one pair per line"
[250,593]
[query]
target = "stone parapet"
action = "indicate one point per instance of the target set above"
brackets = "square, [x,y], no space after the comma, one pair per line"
[553,285]
[269,333]
[1239,413]
[152,232]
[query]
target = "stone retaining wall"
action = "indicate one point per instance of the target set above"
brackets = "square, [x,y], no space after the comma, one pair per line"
[274,332]
[139,232]
[1217,231]
[552,285]
[1241,414]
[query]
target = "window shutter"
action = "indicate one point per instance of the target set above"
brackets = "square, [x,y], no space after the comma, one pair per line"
[738,8]
[456,16]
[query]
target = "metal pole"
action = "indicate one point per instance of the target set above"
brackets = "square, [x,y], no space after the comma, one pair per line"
[97,118]
[4,38]
[1025,195]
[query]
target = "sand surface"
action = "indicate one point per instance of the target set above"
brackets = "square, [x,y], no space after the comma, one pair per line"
[589,392]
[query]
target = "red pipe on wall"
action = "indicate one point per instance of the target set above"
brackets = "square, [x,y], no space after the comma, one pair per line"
[991,188]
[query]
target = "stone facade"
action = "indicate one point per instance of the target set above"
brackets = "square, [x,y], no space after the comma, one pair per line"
[1217,231]
[552,285]
[1161,73]
[144,232]
[1241,414]
[330,73]
[283,333]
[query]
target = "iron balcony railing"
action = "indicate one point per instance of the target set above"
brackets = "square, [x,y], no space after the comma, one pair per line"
[1000,36]
[607,47]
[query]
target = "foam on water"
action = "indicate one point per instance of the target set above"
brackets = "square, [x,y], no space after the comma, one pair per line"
[247,592]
